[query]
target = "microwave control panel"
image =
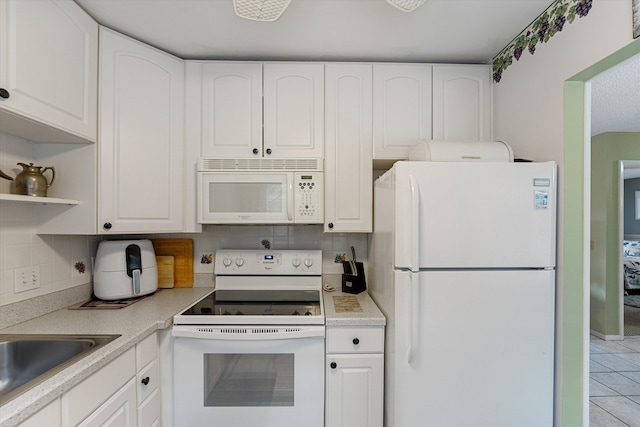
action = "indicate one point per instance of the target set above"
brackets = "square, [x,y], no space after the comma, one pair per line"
[308,198]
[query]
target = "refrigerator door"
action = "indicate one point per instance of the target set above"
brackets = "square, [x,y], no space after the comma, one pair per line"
[474,215]
[471,348]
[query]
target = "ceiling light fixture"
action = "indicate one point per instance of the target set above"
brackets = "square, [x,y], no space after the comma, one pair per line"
[406,5]
[260,10]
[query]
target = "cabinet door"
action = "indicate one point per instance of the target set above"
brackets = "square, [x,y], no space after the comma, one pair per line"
[293,110]
[462,102]
[401,108]
[48,416]
[118,411]
[141,146]
[354,390]
[348,170]
[49,66]
[231,109]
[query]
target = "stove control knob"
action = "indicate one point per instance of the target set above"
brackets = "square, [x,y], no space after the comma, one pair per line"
[308,262]
[226,262]
[296,262]
[240,261]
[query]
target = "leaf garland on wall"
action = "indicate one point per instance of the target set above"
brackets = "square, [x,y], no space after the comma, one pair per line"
[545,26]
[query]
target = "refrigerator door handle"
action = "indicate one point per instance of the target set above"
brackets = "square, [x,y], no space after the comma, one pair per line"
[414,318]
[415,228]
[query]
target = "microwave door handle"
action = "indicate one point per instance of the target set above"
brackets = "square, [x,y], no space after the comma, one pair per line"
[292,195]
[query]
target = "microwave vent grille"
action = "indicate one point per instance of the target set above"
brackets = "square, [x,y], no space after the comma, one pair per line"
[209,164]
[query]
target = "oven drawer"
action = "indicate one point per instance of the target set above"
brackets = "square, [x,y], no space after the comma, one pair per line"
[358,339]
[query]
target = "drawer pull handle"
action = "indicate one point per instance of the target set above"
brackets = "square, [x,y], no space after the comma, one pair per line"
[145,381]
[356,341]
[333,365]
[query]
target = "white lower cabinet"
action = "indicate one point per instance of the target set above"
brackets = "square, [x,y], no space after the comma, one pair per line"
[124,393]
[354,376]
[48,416]
[118,411]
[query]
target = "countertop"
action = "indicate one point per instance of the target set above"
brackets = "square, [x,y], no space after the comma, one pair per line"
[133,323]
[138,321]
[344,309]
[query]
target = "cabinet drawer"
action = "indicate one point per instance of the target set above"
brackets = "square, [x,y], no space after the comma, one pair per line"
[362,339]
[149,411]
[146,351]
[151,376]
[91,393]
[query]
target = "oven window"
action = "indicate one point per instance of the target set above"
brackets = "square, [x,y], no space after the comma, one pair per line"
[233,380]
[249,197]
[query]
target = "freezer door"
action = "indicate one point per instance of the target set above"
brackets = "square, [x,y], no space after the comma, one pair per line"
[475,215]
[471,349]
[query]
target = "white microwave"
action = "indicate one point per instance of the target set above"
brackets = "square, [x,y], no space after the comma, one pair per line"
[260,191]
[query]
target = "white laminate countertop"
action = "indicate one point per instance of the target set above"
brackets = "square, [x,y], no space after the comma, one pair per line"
[352,316]
[133,323]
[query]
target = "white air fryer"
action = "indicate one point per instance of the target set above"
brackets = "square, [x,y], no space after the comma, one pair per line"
[125,269]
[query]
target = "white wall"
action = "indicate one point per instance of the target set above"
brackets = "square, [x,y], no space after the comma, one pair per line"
[528,108]
[528,112]
[21,247]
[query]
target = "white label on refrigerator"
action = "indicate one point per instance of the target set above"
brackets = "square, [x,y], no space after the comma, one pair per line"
[541,198]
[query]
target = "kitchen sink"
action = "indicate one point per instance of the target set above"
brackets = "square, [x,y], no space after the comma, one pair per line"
[26,360]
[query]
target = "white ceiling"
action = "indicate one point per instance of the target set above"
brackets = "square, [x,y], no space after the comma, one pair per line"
[615,98]
[324,30]
[455,31]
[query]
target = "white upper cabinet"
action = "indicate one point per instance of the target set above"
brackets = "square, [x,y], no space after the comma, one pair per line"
[48,71]
[228,97]
[348,145]
[401,108]
[462,102]
[141,151]
[294,110]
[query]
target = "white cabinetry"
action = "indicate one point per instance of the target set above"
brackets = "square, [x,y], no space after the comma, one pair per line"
[348,146]
[226,105]
[141,137]
[294,109]
[110,392]
[462,100]
[148,380]
[48,416]
[401,108]
[126,392]
[48,71]
[250,109]
[355,376]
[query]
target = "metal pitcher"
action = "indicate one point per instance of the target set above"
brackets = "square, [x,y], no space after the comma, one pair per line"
[32,182]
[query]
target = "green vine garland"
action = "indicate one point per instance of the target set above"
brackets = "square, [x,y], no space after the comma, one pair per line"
[545,26]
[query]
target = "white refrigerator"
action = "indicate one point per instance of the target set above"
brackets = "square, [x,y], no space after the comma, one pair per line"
[463,259]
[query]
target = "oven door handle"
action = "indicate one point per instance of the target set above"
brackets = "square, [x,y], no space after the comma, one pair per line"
[248,333]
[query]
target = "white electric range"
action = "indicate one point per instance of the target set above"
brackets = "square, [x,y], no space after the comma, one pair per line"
[252,352]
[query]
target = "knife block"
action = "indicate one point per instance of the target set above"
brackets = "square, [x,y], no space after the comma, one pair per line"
[353,284]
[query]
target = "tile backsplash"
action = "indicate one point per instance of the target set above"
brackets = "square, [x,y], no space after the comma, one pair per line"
[65,262]
[276,237]
[57,256]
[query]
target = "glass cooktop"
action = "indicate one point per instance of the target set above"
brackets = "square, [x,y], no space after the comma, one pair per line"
[258,303]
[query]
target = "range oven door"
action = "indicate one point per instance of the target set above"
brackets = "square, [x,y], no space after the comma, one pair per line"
[246,376]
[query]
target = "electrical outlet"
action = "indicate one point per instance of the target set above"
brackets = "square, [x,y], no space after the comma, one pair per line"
[25,279]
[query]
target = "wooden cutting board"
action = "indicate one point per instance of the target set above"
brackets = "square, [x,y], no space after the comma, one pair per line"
[182,252]
[166,277]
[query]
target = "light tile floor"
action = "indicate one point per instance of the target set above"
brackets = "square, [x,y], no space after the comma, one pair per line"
[614,383]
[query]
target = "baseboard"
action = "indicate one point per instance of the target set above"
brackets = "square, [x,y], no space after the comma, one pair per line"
[607,337]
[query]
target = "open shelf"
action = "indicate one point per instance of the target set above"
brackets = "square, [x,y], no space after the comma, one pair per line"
[33,199]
